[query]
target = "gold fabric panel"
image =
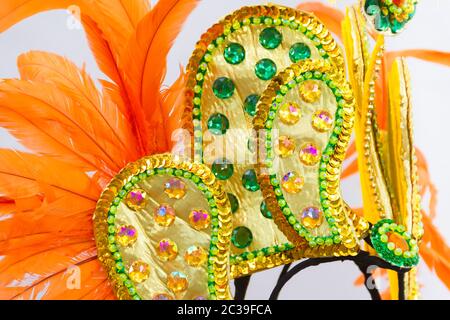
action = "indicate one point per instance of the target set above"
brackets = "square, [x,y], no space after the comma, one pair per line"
[150,233]
[234,145]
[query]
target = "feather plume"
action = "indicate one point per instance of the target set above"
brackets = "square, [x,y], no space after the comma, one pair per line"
[144,65]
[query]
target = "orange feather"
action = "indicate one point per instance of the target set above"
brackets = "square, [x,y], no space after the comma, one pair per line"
[144,65]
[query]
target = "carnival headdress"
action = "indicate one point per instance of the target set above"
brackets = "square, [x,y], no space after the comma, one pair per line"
[265,114]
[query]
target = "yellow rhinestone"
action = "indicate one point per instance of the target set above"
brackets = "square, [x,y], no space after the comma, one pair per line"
[139,271]
[289,113]
[309,154]
[286,146]
[199,219]
[167,250]
[195,256]
[126,235]
[311,217]
[310,91]
[292,182]
[162,296]
[177,282]
[164,215]
[136,199]
[322,121]
[175,188]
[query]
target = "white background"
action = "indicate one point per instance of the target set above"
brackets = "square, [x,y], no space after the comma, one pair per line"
[431,83]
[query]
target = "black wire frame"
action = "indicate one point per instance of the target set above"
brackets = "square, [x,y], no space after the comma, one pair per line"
[363,260]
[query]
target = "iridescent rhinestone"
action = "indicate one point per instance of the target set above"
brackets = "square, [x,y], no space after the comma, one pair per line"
[162,296]
[265,210]
[250,181]
[136,199]
[289,113]
[166,250]
[250,104]
[292,182]
[195,256]
[164,215]
[241,237]
[139,271]
[299,51]
[223,88]
[309,154]
[265,69]
[311,217]
[199,219]
[175,188]
[126,235]
[234,53]
[218,124]
[222,169]
[270,38]
[322,121]
[200,298]
[177,282]
[310,91]
[286,146]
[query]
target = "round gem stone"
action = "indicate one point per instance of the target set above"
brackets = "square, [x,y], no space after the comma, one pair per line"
[292,182]
[270,38]
[175,188]
[265,69]
[265,210]
[136,199]
[164,215]
[166,250]
[310,91]
[322,121]
[250,104]
[222,169]
[299,51]
[162,296]
[126,235]
[199,219]
[234,202]
[398,240]
[286,146]
[241,237]
[234,53]
[218,124]
[139,271]
[309,154]
[195,256]
[311,217]
[250,181]
[177,282]
[289,113]
[223,88]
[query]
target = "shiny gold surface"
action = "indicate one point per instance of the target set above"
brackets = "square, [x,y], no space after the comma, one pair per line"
[150,233]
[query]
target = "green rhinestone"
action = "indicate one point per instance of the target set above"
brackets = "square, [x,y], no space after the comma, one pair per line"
[234,202]
[250,104]
[265,211]
[381,22]
[299,51]
[270,38]
[241,237]
[223,88]
[218,124]
[234,53]
[250,181]
[222,169]
[265,69]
